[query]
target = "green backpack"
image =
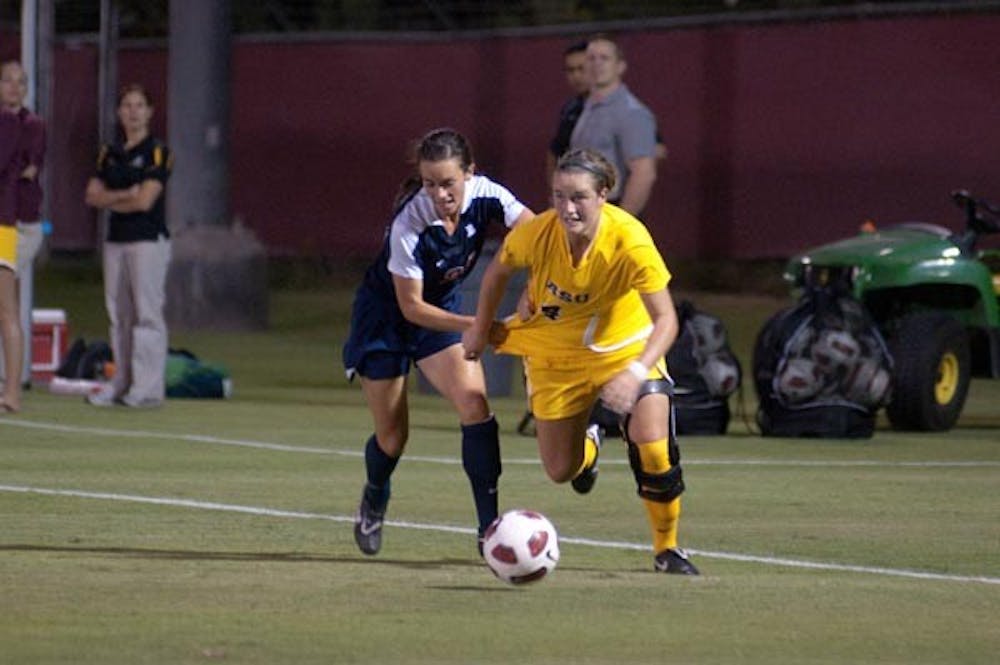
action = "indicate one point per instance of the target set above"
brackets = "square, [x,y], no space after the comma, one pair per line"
[186,376]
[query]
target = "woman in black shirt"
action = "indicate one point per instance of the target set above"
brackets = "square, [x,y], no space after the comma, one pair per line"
[130,181]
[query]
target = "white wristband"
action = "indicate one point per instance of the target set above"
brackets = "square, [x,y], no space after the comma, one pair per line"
[638,370]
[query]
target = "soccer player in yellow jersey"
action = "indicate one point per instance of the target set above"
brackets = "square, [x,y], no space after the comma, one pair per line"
[597,324]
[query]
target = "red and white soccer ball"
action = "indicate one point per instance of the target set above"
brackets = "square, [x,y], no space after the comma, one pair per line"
[867,384]
[721,374]
[835,348]
[521,546]
[799,380]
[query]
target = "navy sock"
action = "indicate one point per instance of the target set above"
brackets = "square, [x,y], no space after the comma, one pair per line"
[481,461]
[379,467]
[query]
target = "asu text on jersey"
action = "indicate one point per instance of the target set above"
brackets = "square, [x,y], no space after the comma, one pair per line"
[594,306]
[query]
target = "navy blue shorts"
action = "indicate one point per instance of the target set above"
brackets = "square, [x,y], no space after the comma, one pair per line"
[382,344]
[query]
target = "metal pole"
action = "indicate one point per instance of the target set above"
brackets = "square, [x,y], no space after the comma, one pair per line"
[37,29]
[107,84]
[198,112]
[218,270]
[45,25]
[29,47]
[107,71]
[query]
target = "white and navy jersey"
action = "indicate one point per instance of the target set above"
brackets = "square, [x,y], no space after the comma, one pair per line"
[418,247]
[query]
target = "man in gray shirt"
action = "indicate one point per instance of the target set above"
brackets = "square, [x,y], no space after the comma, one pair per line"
[615,123]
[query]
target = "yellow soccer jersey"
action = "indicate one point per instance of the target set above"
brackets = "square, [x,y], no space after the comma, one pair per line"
[595,305]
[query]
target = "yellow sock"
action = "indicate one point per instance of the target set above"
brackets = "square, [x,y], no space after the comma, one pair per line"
[589,455]
[663,517]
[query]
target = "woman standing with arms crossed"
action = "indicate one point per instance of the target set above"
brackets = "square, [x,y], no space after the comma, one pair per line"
[599,322]
[130,181]
[407,311]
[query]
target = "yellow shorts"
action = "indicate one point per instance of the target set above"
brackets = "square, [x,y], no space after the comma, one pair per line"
[568,386]
[8,247]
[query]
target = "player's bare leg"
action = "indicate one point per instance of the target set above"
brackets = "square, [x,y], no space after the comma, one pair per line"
[561,446]
[10,331]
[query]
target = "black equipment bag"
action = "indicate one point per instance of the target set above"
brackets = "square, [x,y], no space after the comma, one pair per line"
[705,373]
[821,368]
[85,361]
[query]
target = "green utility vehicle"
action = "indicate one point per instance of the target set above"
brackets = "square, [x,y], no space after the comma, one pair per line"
[934,296]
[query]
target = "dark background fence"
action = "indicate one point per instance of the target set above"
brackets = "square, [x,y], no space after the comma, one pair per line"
[781,133]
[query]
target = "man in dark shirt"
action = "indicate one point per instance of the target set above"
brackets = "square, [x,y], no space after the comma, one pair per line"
[574,59]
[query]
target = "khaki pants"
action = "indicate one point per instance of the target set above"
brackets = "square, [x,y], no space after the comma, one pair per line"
[135,275]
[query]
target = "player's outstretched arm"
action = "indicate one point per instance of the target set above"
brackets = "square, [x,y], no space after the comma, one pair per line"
[491,292]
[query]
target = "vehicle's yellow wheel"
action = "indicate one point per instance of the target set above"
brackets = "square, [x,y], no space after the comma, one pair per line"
[947,379]
[932,364]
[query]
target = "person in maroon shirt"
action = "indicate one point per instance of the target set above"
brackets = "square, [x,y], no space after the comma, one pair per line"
[28,192]
[10,325]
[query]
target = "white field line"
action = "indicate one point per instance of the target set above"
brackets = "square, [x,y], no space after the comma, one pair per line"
[271,512]
[312,450]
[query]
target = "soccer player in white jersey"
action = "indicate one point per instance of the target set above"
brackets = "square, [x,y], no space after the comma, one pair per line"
[406,311]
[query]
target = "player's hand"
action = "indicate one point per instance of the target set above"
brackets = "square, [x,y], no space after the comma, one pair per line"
[619,394]
[474,341]
[498,333]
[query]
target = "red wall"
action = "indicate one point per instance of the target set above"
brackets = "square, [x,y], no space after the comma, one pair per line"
[780,136]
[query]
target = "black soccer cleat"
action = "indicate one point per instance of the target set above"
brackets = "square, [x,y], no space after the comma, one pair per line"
[527,425]
[584,481]
[368,527]
[674,562]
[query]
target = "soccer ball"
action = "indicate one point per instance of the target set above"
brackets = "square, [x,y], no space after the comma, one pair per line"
[521,546]
[799,380]
[721,374]
[835,348]
[868,384]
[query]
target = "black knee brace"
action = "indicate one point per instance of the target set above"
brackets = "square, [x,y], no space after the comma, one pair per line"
[660,487]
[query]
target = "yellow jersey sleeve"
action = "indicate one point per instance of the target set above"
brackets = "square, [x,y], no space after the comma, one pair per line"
[647,273]
[516,250]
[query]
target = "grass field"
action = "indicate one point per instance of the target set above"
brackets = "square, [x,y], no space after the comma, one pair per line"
[220,531]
